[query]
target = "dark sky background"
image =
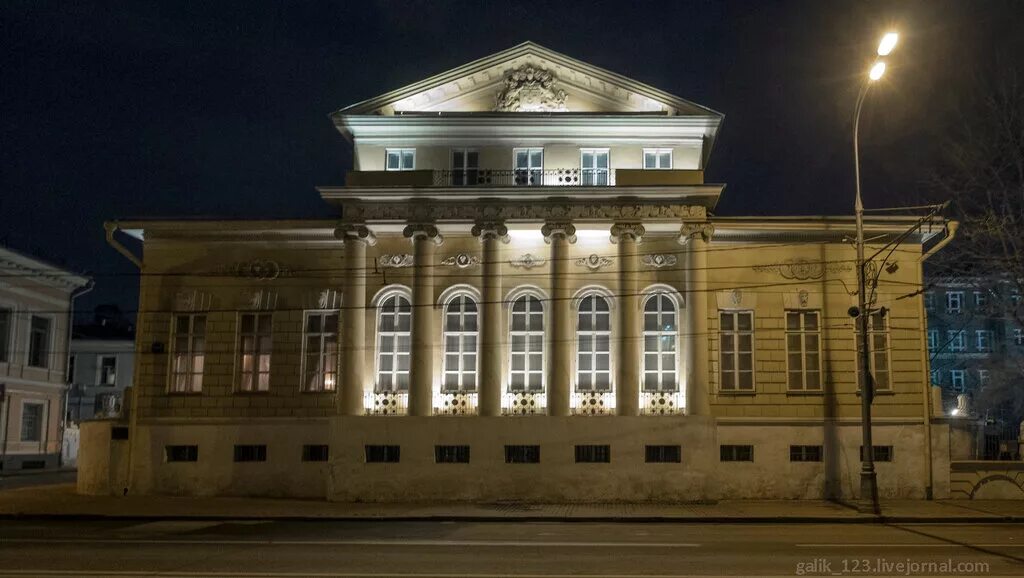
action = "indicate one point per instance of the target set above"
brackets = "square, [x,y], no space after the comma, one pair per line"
[219,109]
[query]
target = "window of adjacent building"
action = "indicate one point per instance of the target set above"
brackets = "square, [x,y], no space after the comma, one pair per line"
[736,453]
[381,454]
[255,343]
[107,367]
[956,379]
[983,377]
[736,350]
[181,453]
[401,159]
[983,339]
[6,322]
[189,353]
[663,454]
[529,166]
[593,345]
[39,341]
[594,167]
[394,323]
[72,362]
[320,351]
[465,166]
[660,344]
[527,345]
[250,453]
[657,158]
[929,300]
[451,454]
[881,453]
[593,454]
[1018,336]
[878,358]
[957,340]
[32,422]
[936,377]
[980,299]
[522,454]
[805,453]
[803,350]
[460,344]
[954,301]
[933,339]
[315,453]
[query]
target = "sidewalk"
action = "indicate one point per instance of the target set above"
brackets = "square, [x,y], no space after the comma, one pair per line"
[61,501]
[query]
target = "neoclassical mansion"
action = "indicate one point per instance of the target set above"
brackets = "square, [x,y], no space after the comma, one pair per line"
[524,293]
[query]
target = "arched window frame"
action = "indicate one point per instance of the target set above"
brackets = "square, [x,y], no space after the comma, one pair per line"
[673,297]
[379,302]
[578,302]
[510,302]
[466,381]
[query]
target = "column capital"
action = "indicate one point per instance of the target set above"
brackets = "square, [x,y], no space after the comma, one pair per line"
[423,230]
[491,230]
[634,231]
[347,232]
[559,228]
[691,231]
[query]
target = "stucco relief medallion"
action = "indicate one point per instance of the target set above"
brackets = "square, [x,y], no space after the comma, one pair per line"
[593,262]
[530,89]
[659,260]
[395,261]
[262,269]
[462,260]
[736,297]
[527,261]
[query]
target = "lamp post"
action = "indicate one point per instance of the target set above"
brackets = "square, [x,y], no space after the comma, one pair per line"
[868,479]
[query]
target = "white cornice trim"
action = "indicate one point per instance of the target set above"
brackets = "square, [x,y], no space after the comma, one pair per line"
[681,194]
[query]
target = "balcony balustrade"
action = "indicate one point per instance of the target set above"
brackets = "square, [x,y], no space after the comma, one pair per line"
[569,177]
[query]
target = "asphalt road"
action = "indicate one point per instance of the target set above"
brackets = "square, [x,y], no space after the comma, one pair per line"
[24,480]
[421,549]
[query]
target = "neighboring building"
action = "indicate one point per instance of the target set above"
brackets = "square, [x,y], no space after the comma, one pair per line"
[35,304]
[102,362]
[524,294]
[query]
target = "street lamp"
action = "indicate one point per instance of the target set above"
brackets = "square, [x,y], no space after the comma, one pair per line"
[868,479]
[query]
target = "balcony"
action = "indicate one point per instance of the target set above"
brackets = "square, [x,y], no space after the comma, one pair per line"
[569,177]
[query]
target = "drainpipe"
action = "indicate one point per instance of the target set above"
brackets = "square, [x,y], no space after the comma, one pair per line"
[926,397]
[66,394]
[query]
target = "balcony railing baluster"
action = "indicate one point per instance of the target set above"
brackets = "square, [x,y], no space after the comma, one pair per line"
[520,177]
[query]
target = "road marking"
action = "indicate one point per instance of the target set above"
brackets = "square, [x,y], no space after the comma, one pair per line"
[443,543]
[890,545]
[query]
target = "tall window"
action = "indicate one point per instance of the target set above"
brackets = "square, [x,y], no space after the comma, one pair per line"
[660,344]
[980,299]
[5,334]
[401,159]
[878,337]
[465,164]
[31,422]
[657,158]
[933,339]
[929,300]
[255,343]
[594,166]
[954,301]
[107,367]
[529,166]
[957,340]
[956,377]
[320,348]
[189,353]
[460,338]
[394,323]
[736,350]
[39,342]
[527,345]
[983,377]
[983,339]
[803,350]
[593,345]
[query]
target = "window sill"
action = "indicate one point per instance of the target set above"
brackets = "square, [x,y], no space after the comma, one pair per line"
[732,393]
[258,392]
[800,392]
[184,393]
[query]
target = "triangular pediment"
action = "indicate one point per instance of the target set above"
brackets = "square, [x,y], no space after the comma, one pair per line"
[528,78]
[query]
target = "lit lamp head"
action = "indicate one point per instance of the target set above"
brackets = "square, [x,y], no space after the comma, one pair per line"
[877,71]
[888,43]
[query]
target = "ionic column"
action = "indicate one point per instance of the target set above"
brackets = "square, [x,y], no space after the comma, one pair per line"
[349,396]
[627,354]
[695,237]
[425,239]
[489,379]
[560,235]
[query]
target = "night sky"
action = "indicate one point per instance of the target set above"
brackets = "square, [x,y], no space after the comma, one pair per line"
[219,109]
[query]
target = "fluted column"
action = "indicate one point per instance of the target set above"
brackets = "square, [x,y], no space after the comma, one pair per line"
[560,235]
[627,354]
[695,237]
[489,380]
[425,239]
[349,397]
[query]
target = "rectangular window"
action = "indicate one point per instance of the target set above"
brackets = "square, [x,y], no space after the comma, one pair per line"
[956,379]
[181,453]
[250,453]
[736,350]
[882,453]
[39,342]
[878,338]
[315,453]
[382,454]
[980,299]
[320,351]
[657,158]
[522,454]
[254,345]
[983,339]
[465,167]
[594,167]
[929,300]
[663,454]
[736,453]
[451,454]
[803,350]
[6,323]
[954,301]
[32,422]
[983,377]
[957,340]
[805,453]
[593,454]
[189,352]
[529,166]
[107,367]
[401,159]
[933,339]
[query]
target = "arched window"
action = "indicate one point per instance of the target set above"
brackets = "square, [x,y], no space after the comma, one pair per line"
[660,344]
[460,339]
[394,319]
[593,345]
[527,345]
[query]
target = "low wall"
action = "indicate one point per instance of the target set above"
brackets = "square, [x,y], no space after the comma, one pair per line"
[986,480]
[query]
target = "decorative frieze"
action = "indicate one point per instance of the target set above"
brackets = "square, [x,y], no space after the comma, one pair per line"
[527,261]
[803,269]
[500,211]
[462,260]
[395,261]
[659,260]
[593,262]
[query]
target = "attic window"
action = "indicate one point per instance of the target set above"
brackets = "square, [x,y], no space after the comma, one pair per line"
[657,158]
[401,159]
